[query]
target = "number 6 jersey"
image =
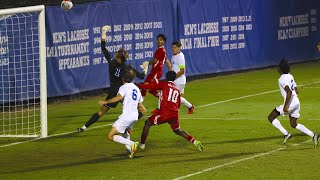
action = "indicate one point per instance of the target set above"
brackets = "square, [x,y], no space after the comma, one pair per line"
[131,97]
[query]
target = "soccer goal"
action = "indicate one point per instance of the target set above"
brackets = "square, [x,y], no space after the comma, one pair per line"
[23,92]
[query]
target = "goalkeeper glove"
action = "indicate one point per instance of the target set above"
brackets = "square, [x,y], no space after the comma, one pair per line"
[104,31]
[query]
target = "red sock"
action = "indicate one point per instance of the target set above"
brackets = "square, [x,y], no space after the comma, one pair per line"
[190,139]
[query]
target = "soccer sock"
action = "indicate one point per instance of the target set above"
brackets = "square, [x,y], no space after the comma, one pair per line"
[305,130]
[185,102]
[122,140]
[190,139]
[276,123]
[140,115]
[127,136]
[94,118]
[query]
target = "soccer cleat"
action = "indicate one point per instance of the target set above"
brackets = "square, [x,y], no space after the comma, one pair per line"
[191,109]
[133,149]
[315,139]
[80,130]
[286,138]
[145,66]
[142,146]
[199,146]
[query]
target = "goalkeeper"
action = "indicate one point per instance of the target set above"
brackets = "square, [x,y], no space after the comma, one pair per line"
[117,67]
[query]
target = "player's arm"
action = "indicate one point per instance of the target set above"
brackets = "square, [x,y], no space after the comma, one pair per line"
[288,97]
[141,108]
[153,61]
[151,86]
[168,64]
[296,89]
[182,71]
[112,100]
[103,43]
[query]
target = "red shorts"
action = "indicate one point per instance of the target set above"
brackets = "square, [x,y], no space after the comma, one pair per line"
[172,119]
[154,76]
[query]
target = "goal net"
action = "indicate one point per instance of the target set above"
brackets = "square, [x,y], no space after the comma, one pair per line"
[23,103]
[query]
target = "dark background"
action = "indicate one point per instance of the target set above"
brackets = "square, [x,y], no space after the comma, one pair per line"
[4,4]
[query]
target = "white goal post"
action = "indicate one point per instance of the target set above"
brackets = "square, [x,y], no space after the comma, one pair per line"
[23,84]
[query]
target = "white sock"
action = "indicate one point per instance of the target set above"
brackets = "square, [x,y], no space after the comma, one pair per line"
[84,127]
[122,140]
[276,123]
[127,136]
[305,130]
[185,102]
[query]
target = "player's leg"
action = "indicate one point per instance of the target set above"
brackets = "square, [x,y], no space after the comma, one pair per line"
[302,128]
[148,123]
[94,118]
[126,135]
[184,101]
[276,123]
[120,127]
[175,126]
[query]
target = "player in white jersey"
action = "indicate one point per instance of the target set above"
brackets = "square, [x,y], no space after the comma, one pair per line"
[179,67]
[131,97]
[291,105]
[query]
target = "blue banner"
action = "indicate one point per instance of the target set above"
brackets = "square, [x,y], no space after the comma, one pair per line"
[217,36]
[75,61]
[220,35]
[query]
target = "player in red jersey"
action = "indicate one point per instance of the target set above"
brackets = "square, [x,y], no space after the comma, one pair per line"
[168,112]
[157,65]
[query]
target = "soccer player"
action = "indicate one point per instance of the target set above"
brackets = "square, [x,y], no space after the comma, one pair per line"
[179,66]
[116,70]
[291,106]
[130,94]
[168,112]
[157,65]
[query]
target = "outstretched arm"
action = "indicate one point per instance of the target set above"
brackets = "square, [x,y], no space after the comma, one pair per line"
[112,100]
[151,86]
[103,43]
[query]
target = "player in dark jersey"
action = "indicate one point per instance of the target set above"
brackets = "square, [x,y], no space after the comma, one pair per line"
[117,68]
[168,112]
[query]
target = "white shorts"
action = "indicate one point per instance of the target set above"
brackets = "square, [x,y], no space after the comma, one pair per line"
[125,121]
[293,111]
[181,87]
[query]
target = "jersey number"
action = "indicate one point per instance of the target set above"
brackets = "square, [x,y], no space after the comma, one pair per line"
[173,95]
[117,72]
[134,94]
[292,87]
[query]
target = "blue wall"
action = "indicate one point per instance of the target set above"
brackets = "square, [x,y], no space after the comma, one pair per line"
[217,36]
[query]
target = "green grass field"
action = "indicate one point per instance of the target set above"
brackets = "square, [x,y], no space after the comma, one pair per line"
[230,119]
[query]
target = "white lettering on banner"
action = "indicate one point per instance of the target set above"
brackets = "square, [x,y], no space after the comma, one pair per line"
[3,40]
[78,35]
[74,62]
[293,33]
[297,26]
[4,62]
[69,49]
[186,43]
[233,30]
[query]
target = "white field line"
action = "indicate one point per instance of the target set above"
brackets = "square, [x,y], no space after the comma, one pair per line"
[236,118]
[204,105]
[236,161]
